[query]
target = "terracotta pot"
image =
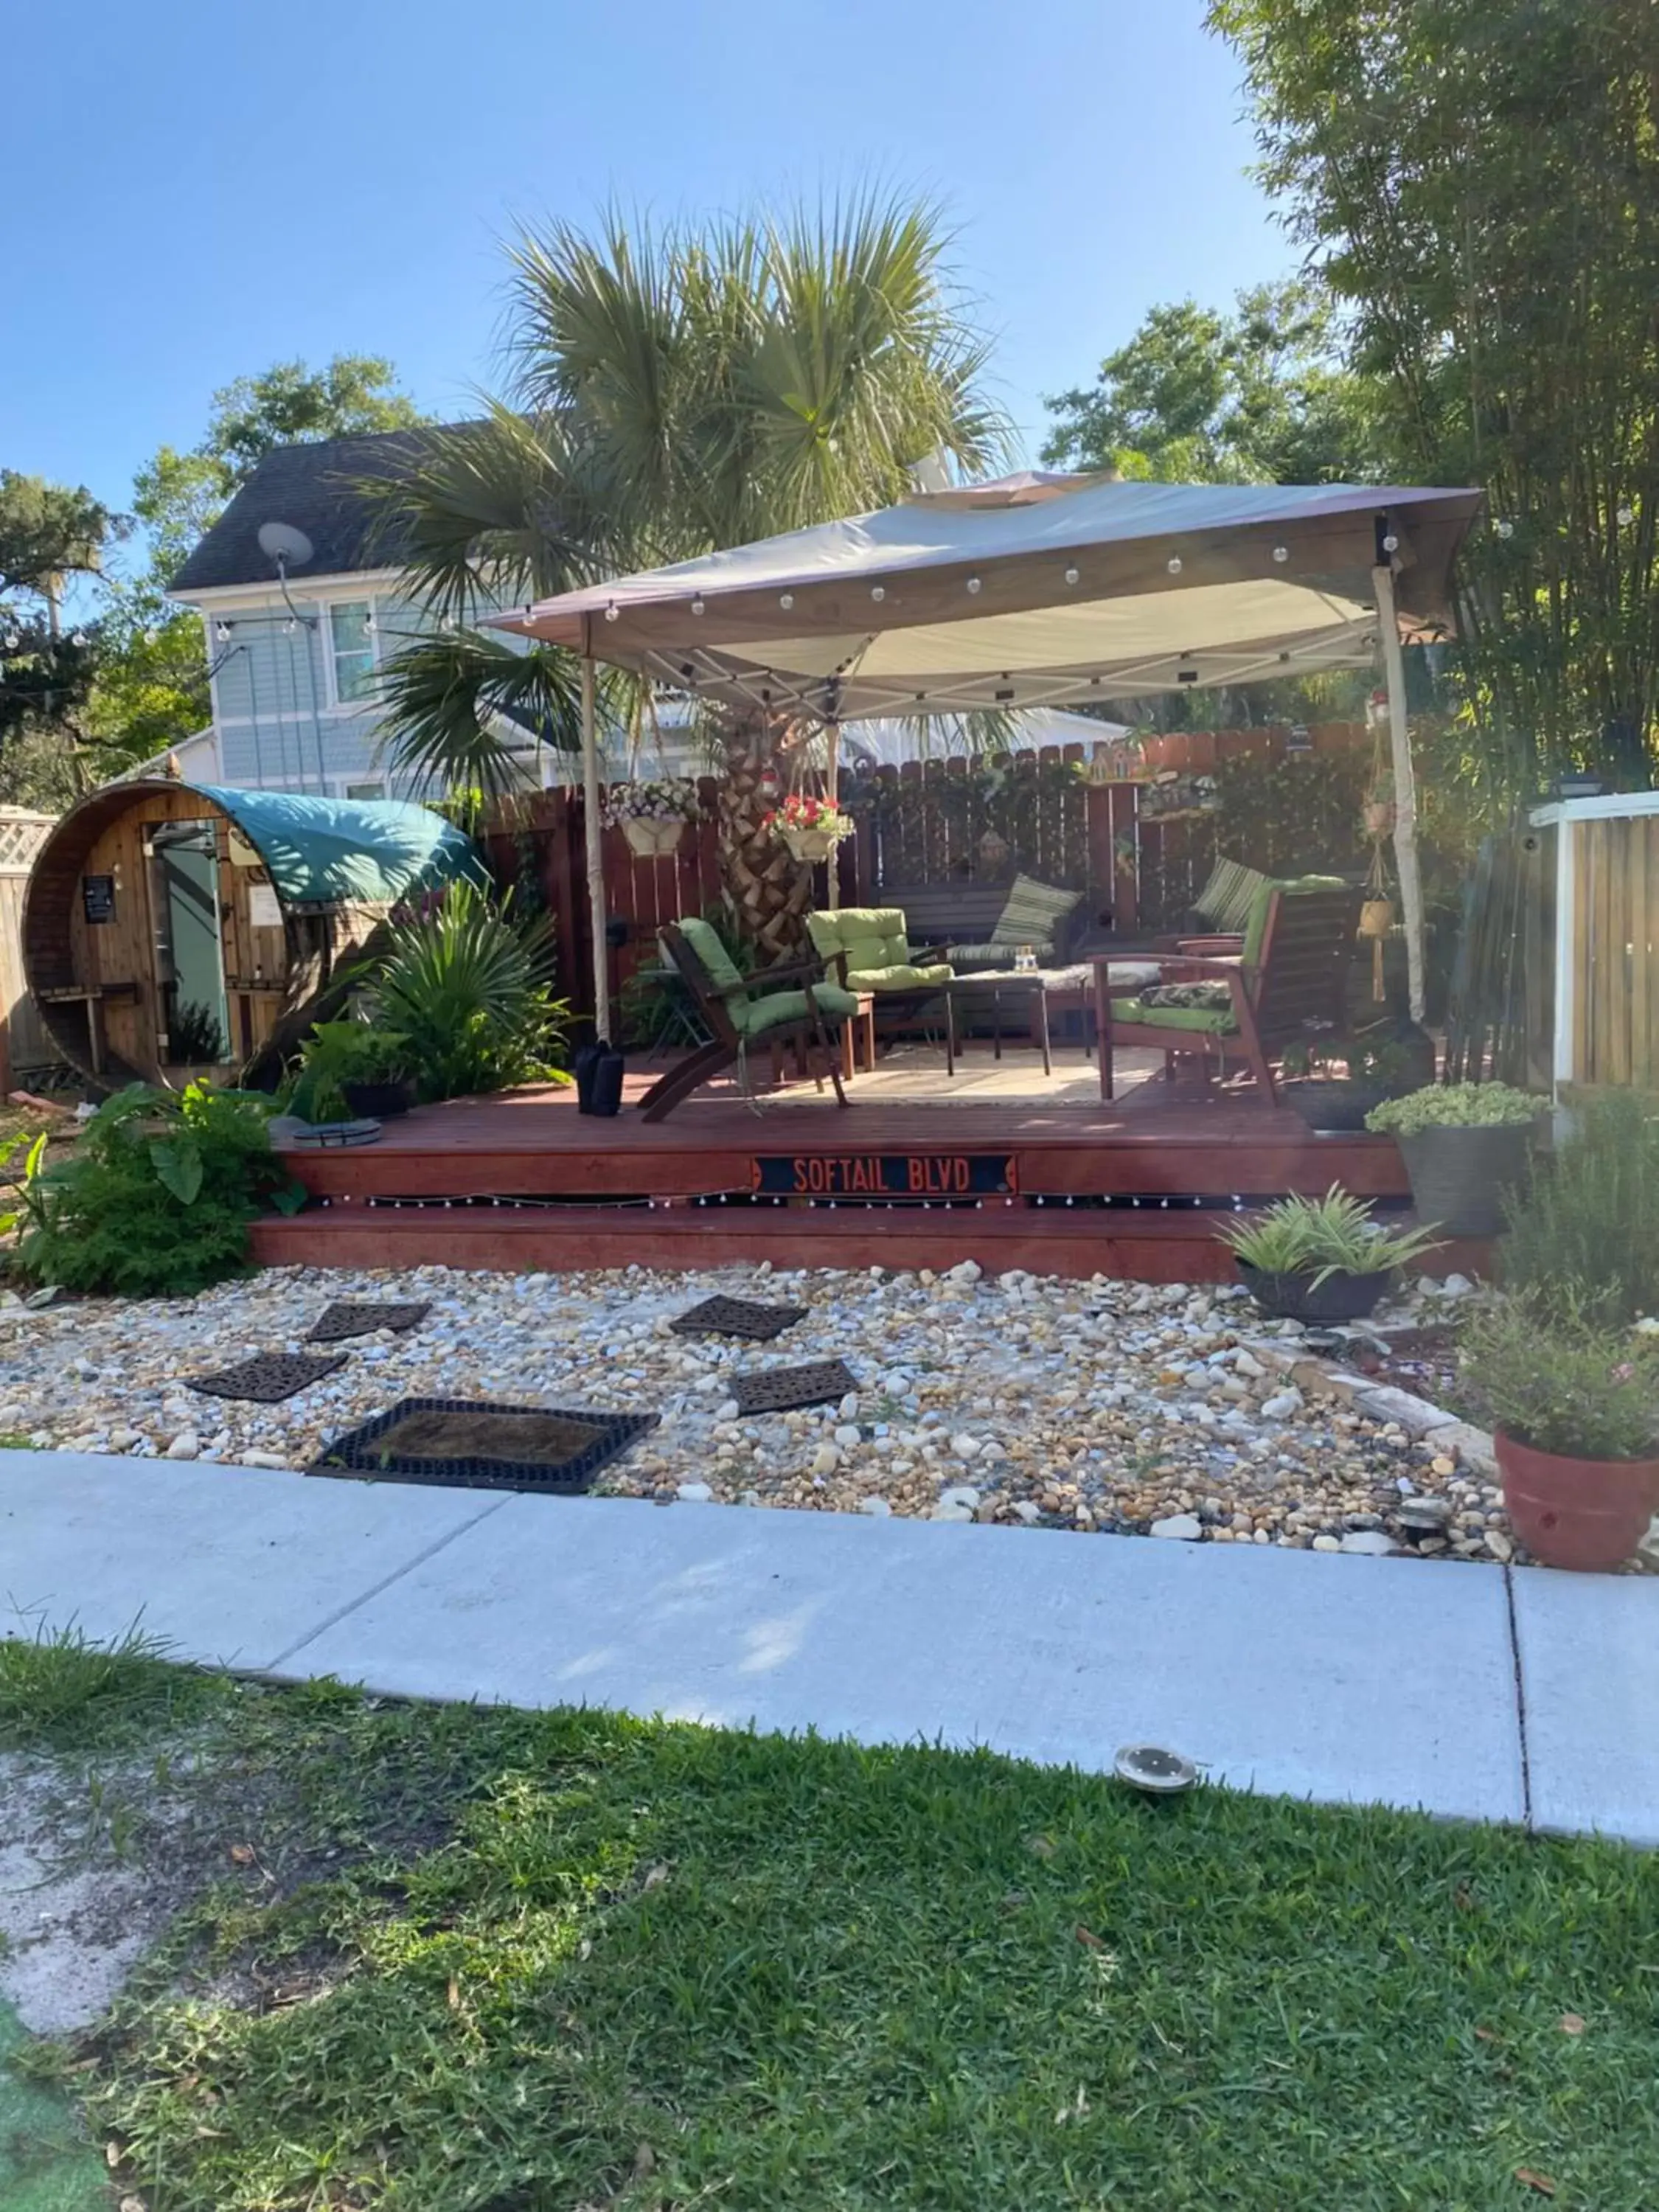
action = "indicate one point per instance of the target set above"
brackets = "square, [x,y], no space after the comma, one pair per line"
[1590,1514]
[652,837]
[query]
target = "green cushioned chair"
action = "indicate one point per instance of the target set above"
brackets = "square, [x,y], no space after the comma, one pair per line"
[870,950]
[1292,975]
[740,1010]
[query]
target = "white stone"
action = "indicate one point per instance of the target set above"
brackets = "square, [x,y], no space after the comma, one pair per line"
[877,1508]
[965,1447]
[849,1407]
[728,1410]
[825,1460]
[1246,1363]
[967,1270]
[185,1445]
[1462,1440]
[1184,1525]
[1028,1511]
[960,1494]
[944,1512]
[1499,1545]
[267,1459]
[1326,1544]
[694,1493]
[1456,1286]
[848,1436]
[1282,1405]
[1368,1542]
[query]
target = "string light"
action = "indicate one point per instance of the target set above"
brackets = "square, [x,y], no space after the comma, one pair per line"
[1628,516]
[878,593]
[1071,575]
[1175,564]
[696,605]
[1505,529]
[221,631]
[289,627]
[1391,544]
[613,612]
[785,600]
[973,586]
[1281,554]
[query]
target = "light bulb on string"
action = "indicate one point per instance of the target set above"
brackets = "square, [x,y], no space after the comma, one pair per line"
[1071,575]
[878,593]
[973,586]
[696,605]
[1175,564]
[1504,528]
[1391,544]
[1281,554]
[785,600]
[221,631]
[1628,516]
[613,612]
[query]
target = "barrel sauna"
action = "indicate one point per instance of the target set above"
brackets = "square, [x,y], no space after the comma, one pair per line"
[173,929]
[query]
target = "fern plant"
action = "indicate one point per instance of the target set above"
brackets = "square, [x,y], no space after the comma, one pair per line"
[469,989]
[157,1198]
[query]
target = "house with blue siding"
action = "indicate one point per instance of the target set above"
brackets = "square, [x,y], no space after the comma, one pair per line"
[295,645]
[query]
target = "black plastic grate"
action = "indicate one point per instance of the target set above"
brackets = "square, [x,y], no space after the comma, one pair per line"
[362,1318]
[780,1389]
[739,1317]
[327,1136]
[272,1377]
[565,1463]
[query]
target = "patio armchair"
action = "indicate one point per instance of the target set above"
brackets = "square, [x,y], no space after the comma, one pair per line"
[1290,975]
[868,949]
[790,1005]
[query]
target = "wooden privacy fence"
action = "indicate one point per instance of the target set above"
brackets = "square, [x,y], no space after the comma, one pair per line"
[1607,1027]
[25,1047]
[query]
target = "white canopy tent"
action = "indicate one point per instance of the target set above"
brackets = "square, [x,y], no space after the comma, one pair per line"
[1038,591]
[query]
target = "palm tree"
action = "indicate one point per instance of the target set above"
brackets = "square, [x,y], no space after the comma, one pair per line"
[674,392]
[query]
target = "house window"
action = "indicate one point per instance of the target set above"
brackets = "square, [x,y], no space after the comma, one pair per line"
[351,635]
[365,791]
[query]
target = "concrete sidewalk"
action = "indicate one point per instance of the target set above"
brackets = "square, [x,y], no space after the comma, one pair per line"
[1485,1693]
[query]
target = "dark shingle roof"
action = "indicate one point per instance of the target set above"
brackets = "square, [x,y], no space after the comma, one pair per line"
[315,488]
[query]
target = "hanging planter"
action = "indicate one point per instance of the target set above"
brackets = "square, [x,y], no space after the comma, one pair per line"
[811,828]
[1376,917]
[1379,815]
[652,816]
[653,838]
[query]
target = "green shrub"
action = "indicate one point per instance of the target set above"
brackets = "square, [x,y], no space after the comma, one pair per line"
[1455,1106]
[156,1199]
[469,989]
[1324,1237]
[1550,1373]
[1590,1219]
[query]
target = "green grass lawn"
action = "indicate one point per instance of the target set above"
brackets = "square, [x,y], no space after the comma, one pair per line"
[466,1960]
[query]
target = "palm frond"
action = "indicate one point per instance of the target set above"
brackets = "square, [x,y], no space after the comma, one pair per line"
[446,698]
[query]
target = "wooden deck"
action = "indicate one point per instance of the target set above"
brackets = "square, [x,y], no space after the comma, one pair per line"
[1137,1188]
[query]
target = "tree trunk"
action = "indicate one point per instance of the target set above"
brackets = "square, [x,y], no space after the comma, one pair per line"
[770,891]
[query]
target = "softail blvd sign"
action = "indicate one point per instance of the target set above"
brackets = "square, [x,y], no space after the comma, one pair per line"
[884,1174]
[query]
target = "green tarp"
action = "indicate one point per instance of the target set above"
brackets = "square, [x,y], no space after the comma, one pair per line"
[324,852]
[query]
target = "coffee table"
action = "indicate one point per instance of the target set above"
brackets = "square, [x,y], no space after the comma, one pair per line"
[1030,984]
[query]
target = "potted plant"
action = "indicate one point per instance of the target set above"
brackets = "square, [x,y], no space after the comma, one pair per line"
[1320,1259]
[1466,1146]
[1379,1063]
[1574,1404]
[811,828]
[350,1068]
[652,815]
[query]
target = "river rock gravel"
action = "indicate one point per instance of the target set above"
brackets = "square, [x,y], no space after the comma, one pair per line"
[1025,1400]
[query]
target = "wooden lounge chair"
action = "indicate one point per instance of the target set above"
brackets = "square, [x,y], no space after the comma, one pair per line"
[1289,976]
[794,1006]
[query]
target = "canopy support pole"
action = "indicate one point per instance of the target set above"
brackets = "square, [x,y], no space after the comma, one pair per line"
[832,792]
[1405,784]
[595,839]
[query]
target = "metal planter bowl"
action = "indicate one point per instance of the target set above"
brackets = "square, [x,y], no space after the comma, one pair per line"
[1298,1298]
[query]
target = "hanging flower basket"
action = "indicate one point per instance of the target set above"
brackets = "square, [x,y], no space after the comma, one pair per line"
[1379,818]
[653,837]
[811,828]
[652,816]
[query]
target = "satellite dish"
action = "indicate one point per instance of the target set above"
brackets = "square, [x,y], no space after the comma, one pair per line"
[282,542]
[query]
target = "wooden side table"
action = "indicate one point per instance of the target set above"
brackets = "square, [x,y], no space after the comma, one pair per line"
[858,1038]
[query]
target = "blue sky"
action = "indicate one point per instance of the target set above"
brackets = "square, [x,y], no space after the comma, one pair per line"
[218,187]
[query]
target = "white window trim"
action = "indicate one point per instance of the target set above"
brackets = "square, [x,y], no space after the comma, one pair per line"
[336,705]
